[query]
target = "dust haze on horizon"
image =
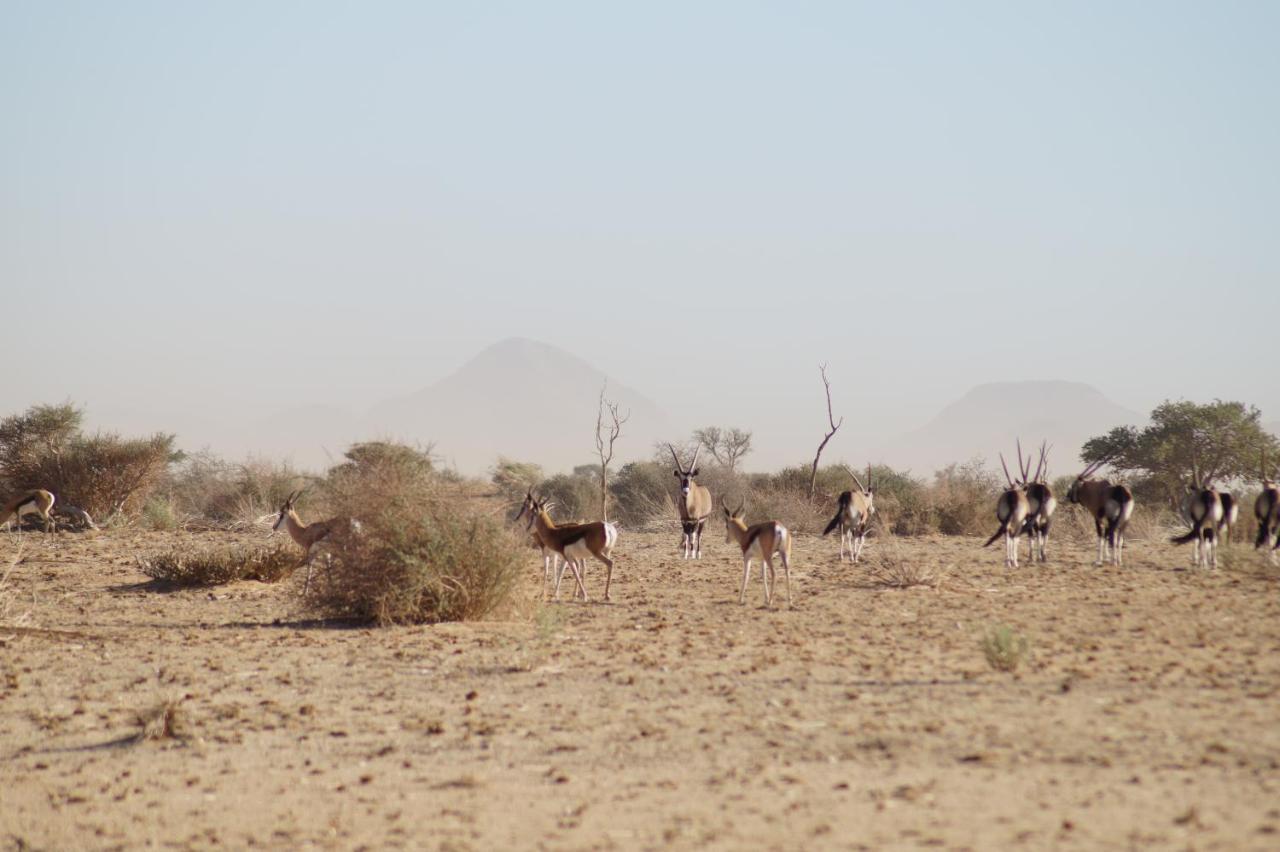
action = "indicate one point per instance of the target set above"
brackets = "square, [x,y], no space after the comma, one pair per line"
[221,221]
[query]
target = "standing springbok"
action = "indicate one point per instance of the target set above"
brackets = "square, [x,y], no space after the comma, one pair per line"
[1040,508]
[1230,515]
[34,502]
[695,505]
[758,541]
[551,564]
[853,516]
[1011,511]
[1202,510]
[573,543]
[1107,503]
[1267,510]
[306,535]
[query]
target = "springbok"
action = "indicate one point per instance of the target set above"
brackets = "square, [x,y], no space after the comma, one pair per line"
[1267,510]
[306,535]
[34,502]
[695,505]
[573,543]
[1040,507]
[1202,509]
[1107,503]
[1011,511]
[853,515]
[551,564]
[758,541]
[1230,516]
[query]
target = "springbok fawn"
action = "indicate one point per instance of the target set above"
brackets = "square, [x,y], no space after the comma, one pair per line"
[35,502]
[694,504]
[1011,511]
[853,515]
[758,541]
[1109,504]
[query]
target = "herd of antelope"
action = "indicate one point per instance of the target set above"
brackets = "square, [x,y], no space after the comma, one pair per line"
[1026,507]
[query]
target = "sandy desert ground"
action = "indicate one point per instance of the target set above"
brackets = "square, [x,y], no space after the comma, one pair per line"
[864,717]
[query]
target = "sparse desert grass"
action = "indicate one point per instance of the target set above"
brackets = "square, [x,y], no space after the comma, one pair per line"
[215,566]
[423,551]
[1005,648]
[11,613]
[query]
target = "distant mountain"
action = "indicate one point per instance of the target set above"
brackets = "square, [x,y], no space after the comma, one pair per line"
[991,417]
[522,399]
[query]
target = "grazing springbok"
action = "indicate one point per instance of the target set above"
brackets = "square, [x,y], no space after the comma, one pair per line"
[1267,510]
[34,502]
[853,515]
[695,505]
[758,541]
[1201,508]
[1107,503]
[1011,511]
[1040,507]
[306,535]
[574,543]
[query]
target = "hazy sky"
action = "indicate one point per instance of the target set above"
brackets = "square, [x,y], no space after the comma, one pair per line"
[212,211]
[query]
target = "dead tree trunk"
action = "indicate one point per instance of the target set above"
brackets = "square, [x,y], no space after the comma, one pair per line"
[608,428]
[813,475]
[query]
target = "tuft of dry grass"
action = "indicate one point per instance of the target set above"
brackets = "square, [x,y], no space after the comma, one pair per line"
[216,566]
[892,568]
[163,721]
[424,549]
[1005,648]
[10,616]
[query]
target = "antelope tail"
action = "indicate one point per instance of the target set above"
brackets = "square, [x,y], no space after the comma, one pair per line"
[1189,537]
[998,533]
[835,522]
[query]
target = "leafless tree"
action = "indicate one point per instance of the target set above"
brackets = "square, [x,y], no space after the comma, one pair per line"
[727,446]
[608,427]
[813,475]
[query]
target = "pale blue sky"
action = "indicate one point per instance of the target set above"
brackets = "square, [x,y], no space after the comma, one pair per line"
[697,197]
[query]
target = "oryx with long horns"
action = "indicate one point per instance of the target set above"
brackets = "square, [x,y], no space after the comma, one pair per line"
[694,503]
[1111,507]
[1040,507]
[853,515]
[1011,511]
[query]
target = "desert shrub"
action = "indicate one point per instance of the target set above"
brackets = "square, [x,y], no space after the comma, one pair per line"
[513,478]
[643,492]
[11,612]
[215,566]
[206,491]
[158,513]
[964,499]
[576,495]
[1005,648]
[103,473]
[424,549]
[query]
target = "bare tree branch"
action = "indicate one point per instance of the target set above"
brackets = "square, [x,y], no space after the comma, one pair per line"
[608,427]
[813,475]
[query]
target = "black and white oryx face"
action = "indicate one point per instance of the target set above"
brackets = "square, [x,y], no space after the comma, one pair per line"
[685,474]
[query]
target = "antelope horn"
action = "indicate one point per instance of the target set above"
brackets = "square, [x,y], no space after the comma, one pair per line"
[1007,478]
[741,505]
[855,478]
[693,465]
[676,457]
[1022,468]
[870,484]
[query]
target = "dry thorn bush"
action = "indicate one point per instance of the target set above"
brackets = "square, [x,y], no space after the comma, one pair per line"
[9,614]
[216,566]
[891,567]
[423,550]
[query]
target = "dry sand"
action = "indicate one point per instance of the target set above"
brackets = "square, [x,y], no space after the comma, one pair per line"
[864,717]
